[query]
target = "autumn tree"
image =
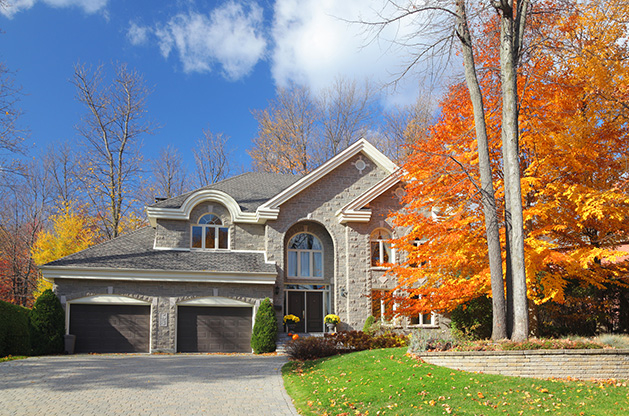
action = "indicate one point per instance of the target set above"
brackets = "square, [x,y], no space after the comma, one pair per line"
[112,129]
[573,166]
[71,230]
[211,158]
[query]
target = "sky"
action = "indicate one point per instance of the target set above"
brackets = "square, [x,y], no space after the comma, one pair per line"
[208,63]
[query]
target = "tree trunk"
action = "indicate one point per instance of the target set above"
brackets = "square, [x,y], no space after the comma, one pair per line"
[499,328]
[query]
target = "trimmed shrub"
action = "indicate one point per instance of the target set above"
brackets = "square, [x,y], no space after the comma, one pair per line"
[369,323]
[14,333]
[265,329]
[47,324]
[310,348]
[473,320]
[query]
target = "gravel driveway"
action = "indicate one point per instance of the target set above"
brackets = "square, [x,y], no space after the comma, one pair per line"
[142,384]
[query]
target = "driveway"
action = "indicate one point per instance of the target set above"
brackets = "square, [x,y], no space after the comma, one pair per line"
[197,384]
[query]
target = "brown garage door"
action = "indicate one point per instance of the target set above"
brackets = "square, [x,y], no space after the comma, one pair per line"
[213,329]
[110,328]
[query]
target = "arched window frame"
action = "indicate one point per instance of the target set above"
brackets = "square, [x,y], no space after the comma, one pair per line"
[381,250]
[301,263]
[209,233]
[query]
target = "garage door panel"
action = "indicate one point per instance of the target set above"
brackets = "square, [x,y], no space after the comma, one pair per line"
[110,328]
[213,329]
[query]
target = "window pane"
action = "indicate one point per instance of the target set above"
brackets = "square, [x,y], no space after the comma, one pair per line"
[414,320]
[316,244]
[210,235]
[210,219]
[427,319]
[197,233]
[223,234]
[386,252]
[304,267]
[376,308]
[375,253]
[317,266]
[292,263]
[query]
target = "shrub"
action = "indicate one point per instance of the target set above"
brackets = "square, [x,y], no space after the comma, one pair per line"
[473,320]
[265,329]
[47,324]
[368,324]
[310,348]
[428,340]
[14,332]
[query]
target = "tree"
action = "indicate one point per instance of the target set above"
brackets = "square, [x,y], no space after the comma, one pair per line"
[112,129]
[572,162]
[169,173]
[11,134]
[47,322]
[62,170]
[71,231]
[265,329]
[211,158]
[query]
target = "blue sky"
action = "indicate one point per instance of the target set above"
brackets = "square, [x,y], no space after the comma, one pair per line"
[208,63]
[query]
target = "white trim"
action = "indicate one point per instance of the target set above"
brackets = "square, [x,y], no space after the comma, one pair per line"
[353,212]
[215,301]
[260,278]
[271,207]
[206,195]
[108,300]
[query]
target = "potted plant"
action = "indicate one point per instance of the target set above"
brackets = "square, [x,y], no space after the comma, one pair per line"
[290,321]
[331,321]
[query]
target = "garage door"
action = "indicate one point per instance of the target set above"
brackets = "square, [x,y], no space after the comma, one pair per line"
[110,328]
[213,329]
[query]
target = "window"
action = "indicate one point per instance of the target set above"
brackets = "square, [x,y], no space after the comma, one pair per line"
[381,251]
[209,233]
[423,319]
[381,307]
[305,256]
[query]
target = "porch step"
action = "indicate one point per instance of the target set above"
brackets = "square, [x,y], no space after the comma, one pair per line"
[283,338]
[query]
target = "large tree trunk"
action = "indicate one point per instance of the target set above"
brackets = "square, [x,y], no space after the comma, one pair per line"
[509,45]
[499,328]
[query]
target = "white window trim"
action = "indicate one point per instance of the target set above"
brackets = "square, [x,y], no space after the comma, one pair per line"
[204,228]
[381,243]
[421,324]
[311,256]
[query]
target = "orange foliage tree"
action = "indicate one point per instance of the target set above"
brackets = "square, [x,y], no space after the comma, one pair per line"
[574,167]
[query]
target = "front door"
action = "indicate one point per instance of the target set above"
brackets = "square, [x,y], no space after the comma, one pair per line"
[308,306]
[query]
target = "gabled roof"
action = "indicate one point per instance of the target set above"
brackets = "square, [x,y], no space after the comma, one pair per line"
[132,257]
[355,210]
[271,208]
[256,197]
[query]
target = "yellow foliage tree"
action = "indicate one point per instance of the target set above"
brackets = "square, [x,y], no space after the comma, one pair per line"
[71,231]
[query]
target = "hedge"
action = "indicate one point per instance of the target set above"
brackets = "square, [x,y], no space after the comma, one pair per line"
[14,330]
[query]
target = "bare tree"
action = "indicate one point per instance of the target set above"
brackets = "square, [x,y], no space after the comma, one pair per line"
[112,129]
[211,158]
[62,170]
[169,173]
[11,134]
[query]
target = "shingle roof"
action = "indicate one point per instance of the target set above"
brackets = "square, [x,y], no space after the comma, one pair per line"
[135,251]
[250,190]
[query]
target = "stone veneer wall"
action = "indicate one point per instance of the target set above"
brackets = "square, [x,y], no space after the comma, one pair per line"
[581,364]
[163,296]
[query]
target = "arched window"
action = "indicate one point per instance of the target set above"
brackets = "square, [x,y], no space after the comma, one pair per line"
[305,256]
[210,233]
[381,251]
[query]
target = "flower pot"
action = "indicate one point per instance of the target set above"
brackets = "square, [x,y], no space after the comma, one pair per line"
[331,327]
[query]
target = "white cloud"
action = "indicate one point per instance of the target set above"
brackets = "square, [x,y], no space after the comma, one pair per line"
[88,6]
[231,37]
[314,43]
[137,35]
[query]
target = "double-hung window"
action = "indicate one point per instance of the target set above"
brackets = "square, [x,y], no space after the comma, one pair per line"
[305,256]
[210,233]
[381,251]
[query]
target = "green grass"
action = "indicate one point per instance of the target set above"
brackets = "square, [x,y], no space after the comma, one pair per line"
[387,382]
[11,358]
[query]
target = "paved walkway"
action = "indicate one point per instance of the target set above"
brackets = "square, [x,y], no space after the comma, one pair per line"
[145,385]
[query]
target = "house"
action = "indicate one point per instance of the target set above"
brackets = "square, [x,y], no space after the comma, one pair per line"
[193,279]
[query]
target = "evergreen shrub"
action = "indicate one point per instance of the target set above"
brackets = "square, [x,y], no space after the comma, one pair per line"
[265,329]
[14,333]
[47,324]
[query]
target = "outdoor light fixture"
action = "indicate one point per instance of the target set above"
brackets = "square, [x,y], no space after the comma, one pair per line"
[277,290]
[343,292]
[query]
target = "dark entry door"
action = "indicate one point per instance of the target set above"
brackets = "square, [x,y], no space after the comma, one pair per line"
[308,306]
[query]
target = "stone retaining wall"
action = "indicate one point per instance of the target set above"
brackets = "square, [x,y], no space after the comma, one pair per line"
[581,364]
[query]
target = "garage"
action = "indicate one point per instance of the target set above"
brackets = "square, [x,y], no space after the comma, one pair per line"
[106,328]
[214,328]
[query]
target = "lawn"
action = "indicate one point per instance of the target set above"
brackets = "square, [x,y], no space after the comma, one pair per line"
[11,358]
[387,382]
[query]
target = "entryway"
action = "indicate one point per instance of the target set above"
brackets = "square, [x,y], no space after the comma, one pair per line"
[310,303]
